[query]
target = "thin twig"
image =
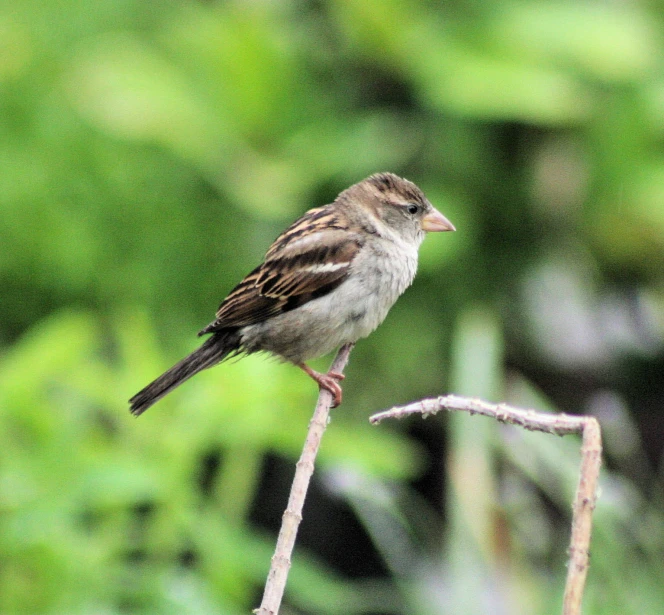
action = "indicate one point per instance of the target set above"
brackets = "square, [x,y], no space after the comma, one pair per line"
[557,424]
[582,518]
[281,560]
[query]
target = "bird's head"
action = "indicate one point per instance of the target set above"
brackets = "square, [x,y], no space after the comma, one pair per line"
[398,204]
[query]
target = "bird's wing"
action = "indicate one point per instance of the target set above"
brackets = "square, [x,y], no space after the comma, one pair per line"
[307,261]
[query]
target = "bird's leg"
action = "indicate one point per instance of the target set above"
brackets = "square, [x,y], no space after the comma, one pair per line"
[329,382]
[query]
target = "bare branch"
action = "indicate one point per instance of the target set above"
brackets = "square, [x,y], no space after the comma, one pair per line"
[582,518]
[557,424]
[281,560]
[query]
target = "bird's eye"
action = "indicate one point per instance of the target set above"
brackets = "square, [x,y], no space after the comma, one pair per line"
[412,209]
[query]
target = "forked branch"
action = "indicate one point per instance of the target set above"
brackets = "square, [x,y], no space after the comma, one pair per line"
[558,424]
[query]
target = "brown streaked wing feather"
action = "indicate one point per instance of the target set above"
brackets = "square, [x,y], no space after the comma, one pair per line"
[297,269]
[297,272]
[320,217]
[244,306]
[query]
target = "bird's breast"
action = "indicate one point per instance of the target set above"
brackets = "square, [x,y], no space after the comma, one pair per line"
[377,277]
[377,280]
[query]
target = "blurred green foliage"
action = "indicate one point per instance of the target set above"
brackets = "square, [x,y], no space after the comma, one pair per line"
[149,153]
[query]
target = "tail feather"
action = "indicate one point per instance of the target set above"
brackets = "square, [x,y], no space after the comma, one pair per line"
[214,350]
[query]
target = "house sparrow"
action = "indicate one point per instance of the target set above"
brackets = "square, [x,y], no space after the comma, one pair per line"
[327,280]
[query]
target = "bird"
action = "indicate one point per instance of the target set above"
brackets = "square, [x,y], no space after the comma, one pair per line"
[329,279]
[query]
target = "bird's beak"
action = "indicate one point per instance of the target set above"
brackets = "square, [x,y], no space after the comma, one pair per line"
[435,221]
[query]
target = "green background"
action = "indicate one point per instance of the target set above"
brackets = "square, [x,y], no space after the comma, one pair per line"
[149,154]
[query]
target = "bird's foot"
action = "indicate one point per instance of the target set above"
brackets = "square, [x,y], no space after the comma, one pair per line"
[329,382]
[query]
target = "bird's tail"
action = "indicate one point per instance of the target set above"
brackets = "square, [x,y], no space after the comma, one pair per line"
[214,350]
